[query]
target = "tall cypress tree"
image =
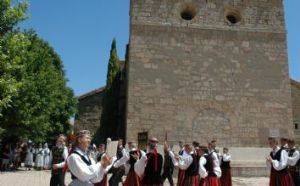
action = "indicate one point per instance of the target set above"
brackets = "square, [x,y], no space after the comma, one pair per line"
[113,66]
[109,118]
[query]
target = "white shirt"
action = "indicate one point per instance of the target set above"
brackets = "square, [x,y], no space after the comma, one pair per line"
[123,160]
[278,165]
[86,174]
[216,158]
[292,161]
[185,161]
[139,166]
[226,157]
[203,172]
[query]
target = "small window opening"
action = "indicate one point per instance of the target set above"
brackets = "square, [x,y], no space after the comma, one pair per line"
[296,126]
[188,12]
[187,15]
[232,19]
[232,16]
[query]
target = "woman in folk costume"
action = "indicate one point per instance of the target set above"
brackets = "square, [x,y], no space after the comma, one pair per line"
[226,169]
[209,168]
[181,172]
[277,161]
[149,166]
[39,160]
[190,165]
[129,159]
[46,156]
[85,171]
[293,162]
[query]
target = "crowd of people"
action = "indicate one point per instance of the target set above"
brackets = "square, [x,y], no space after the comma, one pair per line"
[197,164]
[26,154]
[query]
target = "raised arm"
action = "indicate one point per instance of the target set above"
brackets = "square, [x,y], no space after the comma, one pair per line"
[140,164]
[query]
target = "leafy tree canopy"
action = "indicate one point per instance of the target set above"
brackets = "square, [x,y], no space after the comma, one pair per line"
[35,101]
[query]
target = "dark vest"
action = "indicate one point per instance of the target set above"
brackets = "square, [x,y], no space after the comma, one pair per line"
[152,171]
[168,163]
[295,168]
[225,164]
[277,157]
[193,169]
[99,156]
[86,161]
[209,166]
[57,157]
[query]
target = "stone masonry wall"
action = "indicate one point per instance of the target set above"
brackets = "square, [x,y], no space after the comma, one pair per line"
[296,107]
[207,79]
[89,111]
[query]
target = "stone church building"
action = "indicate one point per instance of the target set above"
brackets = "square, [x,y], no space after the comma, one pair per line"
[206,69]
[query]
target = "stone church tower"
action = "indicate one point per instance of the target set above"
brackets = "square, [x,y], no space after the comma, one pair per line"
[208,69]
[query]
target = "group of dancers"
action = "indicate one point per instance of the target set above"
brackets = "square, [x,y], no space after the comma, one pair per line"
[283,162]
[198,165]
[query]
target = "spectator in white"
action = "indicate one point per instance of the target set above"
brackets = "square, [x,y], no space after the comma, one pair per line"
[39,160]
[46,156]
[29,156]
[84,171]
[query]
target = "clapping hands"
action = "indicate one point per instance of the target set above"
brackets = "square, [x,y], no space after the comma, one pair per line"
[106,160]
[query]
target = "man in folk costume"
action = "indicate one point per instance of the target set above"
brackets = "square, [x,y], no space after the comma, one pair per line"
[293,162]
[212,150]
[181,146]
[209,169]
[149,166]
[85,171]
[284,143]
[277,161]
[226,169]
[58,155]
[117,173]
[168,167]
[100,153]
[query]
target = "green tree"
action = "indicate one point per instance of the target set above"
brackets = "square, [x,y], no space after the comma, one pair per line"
[35,102]
[110,116]
[10,15]
[44,103]
[11,43]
